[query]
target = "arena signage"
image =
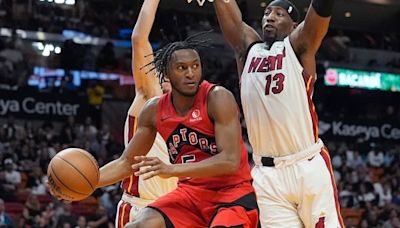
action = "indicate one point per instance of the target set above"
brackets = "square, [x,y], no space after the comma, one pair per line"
[337,128]
[362,79]
[40,105]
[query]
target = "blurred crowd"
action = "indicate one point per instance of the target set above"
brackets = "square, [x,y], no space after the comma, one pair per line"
[368,178]
[25,151]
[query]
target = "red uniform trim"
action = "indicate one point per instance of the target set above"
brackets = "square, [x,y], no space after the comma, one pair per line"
[123,214]
[325,155]
[131,184]
[309,83]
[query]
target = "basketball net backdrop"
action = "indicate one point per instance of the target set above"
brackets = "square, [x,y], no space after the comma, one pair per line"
[201,2]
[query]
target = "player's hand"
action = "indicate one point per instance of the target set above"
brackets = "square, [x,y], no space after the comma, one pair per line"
[150,167]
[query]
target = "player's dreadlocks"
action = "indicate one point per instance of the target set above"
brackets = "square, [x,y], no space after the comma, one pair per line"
[163,55]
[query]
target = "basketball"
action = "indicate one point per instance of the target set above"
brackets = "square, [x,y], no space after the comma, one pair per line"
[73,174]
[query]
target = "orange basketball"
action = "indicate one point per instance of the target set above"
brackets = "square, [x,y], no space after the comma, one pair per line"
[73,174]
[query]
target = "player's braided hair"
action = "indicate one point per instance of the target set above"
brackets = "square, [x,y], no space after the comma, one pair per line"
[163,55]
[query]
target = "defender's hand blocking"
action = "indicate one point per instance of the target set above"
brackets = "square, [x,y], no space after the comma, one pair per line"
[150,167]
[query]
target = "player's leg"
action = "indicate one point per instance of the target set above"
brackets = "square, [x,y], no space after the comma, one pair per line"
[271,188]
[319,205]
[149,217]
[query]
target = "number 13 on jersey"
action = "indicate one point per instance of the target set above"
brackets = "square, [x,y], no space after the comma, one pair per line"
[274,83]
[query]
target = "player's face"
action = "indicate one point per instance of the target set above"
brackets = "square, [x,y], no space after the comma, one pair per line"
[184,72]
[276,23]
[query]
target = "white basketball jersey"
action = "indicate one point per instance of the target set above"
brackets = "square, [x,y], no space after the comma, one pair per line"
[155,187]
[276,98]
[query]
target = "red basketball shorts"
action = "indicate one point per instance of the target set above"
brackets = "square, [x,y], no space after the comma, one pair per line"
[189,206]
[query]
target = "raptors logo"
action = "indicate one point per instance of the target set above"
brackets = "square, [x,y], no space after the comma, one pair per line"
[183,136]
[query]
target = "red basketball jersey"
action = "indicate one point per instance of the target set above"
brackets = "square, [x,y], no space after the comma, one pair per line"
[191,138]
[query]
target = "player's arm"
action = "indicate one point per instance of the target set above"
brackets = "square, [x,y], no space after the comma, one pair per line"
[238,34]
[140,145]
[223,111]
[307,37]
[146,82]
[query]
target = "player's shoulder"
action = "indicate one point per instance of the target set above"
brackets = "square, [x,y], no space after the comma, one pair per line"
[151,104]
[219,94]
[221,103]
[149,110]
[217,89]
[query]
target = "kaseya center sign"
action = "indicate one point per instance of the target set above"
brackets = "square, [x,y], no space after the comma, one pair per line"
[366,131]
[40,105]
[30,105]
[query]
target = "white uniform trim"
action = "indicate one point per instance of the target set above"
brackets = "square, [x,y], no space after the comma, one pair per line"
[135,201]
[281,162]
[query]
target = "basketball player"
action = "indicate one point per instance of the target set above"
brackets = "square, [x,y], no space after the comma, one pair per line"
[138,192]
[200,124]
[293,176]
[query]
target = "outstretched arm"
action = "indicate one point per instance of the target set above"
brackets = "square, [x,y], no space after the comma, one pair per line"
[223,110]
[140,145]
[238,34]
[307,37]
[147,85]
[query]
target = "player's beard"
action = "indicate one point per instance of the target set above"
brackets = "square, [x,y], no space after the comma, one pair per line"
[269,40]
[186,94]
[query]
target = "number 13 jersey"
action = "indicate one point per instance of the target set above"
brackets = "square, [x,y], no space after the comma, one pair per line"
[276,96]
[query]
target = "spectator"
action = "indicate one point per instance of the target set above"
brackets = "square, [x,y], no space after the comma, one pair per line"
[396,197]
[46,218]
[371,217]
[100,219]
[347,196]
[356,161]
[12,177]
[68,132]
[5,219]
[337,160]
[388,158]
[385,196]
[375,159]
[36,181]
[10,129]
[81,222]
[15,60]
[31,211]
[95,93]
[66,217]
[366,194]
